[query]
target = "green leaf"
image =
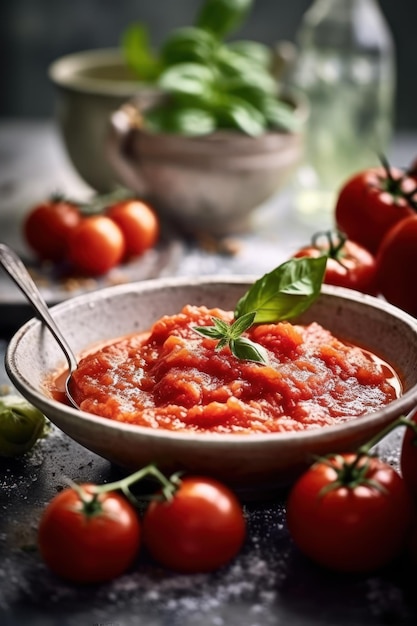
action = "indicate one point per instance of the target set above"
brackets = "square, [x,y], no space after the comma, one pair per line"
[241,324]
[243,68]
[234,112]
[209,331]
[221,17]
[222,326]
[138,53]
[285,292]
[189,45]
[192,79]
[179,120]
[244,348]
[256,52]
[281,115]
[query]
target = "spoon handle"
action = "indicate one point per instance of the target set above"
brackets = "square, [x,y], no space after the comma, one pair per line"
[20,275]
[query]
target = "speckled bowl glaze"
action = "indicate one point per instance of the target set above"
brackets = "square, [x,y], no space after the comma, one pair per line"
[254,463]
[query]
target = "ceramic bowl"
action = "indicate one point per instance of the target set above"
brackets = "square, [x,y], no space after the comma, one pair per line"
[209,184]
[253,464]
[90,85]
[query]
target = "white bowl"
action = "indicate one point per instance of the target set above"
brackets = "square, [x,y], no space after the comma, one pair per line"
[203,184]
[250,463]
[90,85]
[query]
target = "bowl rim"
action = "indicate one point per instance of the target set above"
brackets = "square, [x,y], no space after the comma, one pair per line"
[64,73]
[408,400]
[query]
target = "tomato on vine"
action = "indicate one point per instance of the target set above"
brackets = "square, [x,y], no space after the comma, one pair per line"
[88,537]
[348,264]
[90,533]
[47,226]
[96,245]
[372,201]
[138,223]
[350,513]
[199,529]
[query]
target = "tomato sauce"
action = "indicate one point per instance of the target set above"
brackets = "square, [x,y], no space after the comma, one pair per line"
[173,378]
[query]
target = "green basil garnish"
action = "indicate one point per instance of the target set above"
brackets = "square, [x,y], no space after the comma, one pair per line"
[287,291]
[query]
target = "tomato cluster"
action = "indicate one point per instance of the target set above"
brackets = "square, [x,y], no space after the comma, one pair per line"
[91,242]
[354,512]
[90,534]
[374,246]
[377,209]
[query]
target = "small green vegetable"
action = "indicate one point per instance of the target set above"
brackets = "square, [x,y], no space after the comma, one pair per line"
[287,291]
[21,425]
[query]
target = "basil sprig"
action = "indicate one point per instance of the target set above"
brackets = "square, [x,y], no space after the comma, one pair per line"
[230,335]
[287,291]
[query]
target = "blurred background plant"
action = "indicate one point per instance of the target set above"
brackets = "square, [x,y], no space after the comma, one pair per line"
[212,83]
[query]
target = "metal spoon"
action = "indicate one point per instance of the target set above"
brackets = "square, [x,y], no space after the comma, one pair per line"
[18,272]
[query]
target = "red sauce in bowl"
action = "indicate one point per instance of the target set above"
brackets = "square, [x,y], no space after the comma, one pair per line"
[173,378]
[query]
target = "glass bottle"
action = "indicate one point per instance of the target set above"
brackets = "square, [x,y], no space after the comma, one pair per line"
[346,68]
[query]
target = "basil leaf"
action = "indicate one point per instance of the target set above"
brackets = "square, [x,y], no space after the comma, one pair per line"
[221,17]
[234,112]
[222,326]
[244,348]
[243,68]
[281,115]
[192,79]
[138,53]
[180,120]
[285,292]
[257,53]
[209,331]
[241,324]
[189,45]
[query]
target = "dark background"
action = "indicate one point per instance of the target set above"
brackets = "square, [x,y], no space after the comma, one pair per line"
[35,32]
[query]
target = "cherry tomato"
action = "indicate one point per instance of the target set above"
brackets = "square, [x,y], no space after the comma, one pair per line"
[89,541]
[371,202]
[408,458]
[200,529]
[348,264]
[350,524]
[396,265]
[96,245]
[47,226]
[139,224]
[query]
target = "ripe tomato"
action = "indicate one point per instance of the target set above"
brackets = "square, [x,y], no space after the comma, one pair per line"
[348,264]
[396,265]
[47,226]
[350,524]
[200,529]
[408,459]
[139,224]
[371,202]
[96,245]
[91,541]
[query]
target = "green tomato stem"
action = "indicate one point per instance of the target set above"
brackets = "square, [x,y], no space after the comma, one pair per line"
[401,421]
[169,485]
